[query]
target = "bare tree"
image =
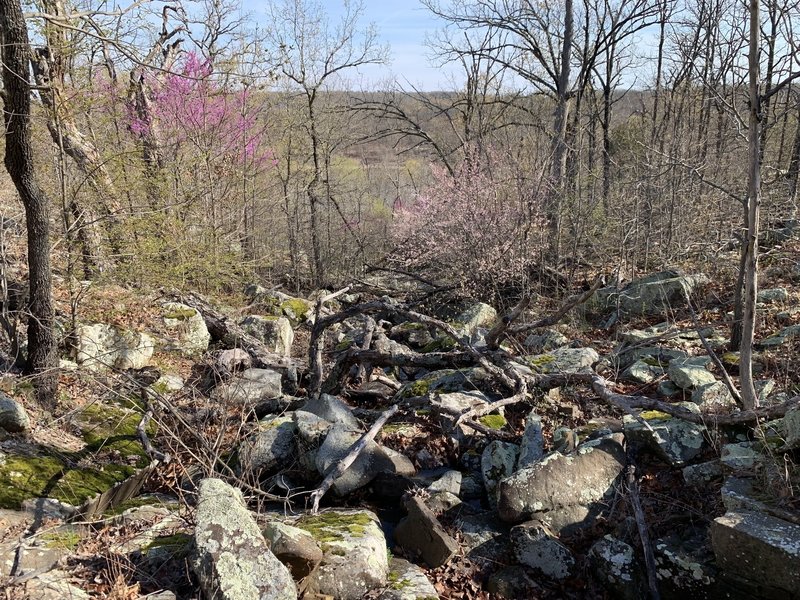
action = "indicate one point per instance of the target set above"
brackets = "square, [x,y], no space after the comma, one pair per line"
[42,359]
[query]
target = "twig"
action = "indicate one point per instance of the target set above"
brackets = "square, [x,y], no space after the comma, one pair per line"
[162,457]
[349,458]
[644,536]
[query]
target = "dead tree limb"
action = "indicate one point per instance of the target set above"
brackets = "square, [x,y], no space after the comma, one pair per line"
[644,535]
[504,325]
[317,343]
[349,458]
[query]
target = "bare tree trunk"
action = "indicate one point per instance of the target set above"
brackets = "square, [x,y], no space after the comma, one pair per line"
[749,396]
[42,358]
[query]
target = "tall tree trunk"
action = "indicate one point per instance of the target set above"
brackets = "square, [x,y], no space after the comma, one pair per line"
[558,168]
[42,358]
[749,397]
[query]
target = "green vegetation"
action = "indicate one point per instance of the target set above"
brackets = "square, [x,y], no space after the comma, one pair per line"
[494,421]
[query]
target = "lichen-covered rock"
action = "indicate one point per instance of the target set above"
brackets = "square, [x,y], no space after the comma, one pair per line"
[275,332]
[407,581]
[512,582]
[294,547]
[230,361]
[333,410]
[371,461]
[449,380]
[168,384]
[791,427]
[740,456]
[759,549]
[614,564]
[271,446]
[688,373]
[186,329]
[497,462]
[784,336]
[773,295]
[657,356]
[654,294]
[685,565]
[477,315]
[713,397]
[232,560]
[674,440]
[563,360]
[420,533]
[558,481]
[413,335]
[535,547]
[531,448]
[102,346]
[643,372]
[259,389]
[355,556]
[702,474]
[13,416]
[545,341]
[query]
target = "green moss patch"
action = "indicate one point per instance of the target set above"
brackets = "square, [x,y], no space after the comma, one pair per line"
[178,544]
[334,526]
[494,421]
[64,538]
[23,477]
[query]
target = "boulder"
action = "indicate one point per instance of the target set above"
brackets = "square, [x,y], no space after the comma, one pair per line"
[784,336]
[713,397]
[294,547]
[563,360]
[476,316]
[271,446]
[643,372]
[791,426]
[531,448]
[232,560]
[355,559]
[545,340]
[371,461]
[702,474]
[13,416]
[333,410]
[420,533]
[759,549]
[559,481]
[449,380]
[741,456]
[103,346]
[535,547]
[688,373]
[685,564]
[656,294]
[512,582]
[497,462]
[672,439]
[186,329]
[614,564]
[275,332]
[259,389]
[407,582]
[773,295]
[233,360]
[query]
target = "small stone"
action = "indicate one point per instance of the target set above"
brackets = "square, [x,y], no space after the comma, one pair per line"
[421,533]
[690,373]
[773,295]
[545,341]
[532,443]
[642,372]
[702,474]
[713,397]
[740,456]
[407,581]
[614,563]
[497,462]
[13,417]
[675,440]
[294,547]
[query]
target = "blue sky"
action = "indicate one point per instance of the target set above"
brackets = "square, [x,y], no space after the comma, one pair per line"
[403,25]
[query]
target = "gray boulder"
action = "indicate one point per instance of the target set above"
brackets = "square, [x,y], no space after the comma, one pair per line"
[355,559]
[186,329]
[773,295]
[371,461]
[531,448]
[643,372]
[476,316]
[407,582]
[102,346]
[271,446]
[294,547]
[13,417]
[535,547]
[655,294]
[545,341]
[759,549]
[672,439]
[275,332]
[713,397]
[563,360]
[497,462]
[259,389]
[560,481]
[333,410]
[232,560]
[784,336]
[420,533]
[614,564]
[688,373]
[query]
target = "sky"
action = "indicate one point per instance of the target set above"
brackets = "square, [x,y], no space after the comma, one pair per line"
[403,24]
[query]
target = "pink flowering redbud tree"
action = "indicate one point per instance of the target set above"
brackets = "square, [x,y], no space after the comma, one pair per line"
[478,228]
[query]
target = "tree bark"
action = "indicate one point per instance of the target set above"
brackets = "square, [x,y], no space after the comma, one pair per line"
[42,358]
[749,396]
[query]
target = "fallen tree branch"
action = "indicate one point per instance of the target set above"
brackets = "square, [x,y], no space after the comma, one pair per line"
[317,343]
[141,429]
[644,535]
[349,458]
